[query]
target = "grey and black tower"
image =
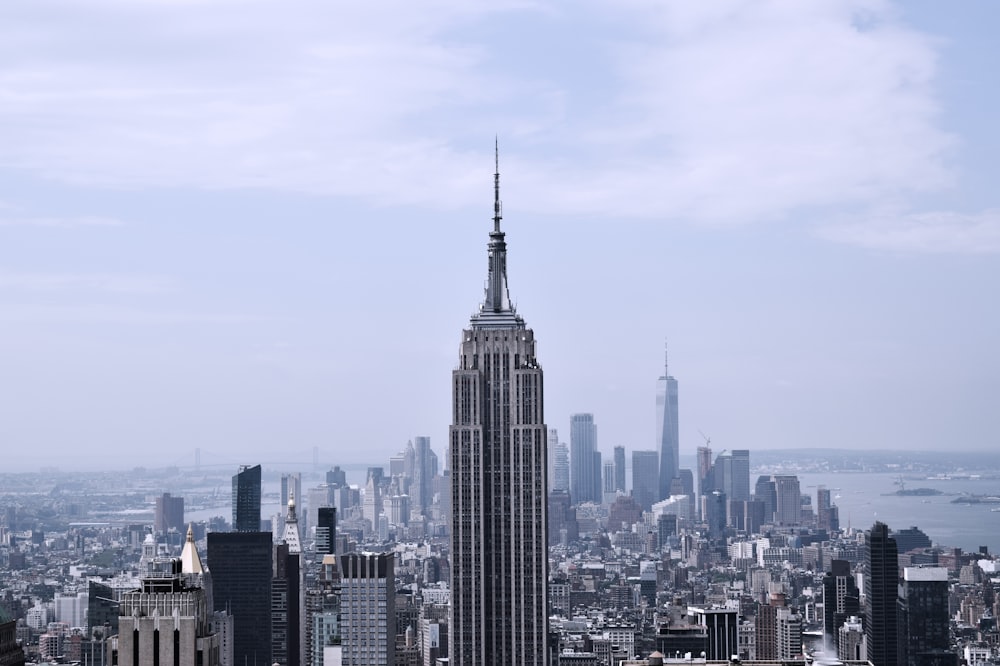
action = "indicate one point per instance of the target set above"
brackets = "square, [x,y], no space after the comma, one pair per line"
[881,591]
[667,429]
[499,567]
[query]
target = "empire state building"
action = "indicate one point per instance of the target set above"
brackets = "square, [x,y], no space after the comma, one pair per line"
[499,558]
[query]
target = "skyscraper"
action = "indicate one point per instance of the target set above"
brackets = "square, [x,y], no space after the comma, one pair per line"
[326,532]
[923,608]
[620,468]
[246,499]
[367,605]
[667,429]
[172,602]
[645,475]
[499,567]
[840,598]
[788,498]
[881,582]
[287,603]
[584,484]
[559,460]
[425,467]
[169,513]
[240,563]
[740,480]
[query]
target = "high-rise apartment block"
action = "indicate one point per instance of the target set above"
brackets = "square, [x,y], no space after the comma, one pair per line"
[499,554]
[367,607]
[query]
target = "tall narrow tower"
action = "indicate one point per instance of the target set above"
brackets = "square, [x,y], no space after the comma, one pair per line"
[881,589]
[499,568]
[667,429]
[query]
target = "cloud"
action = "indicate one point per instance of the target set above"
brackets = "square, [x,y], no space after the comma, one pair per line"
[107,314]
[934,232]
[731,111]
[60,222]
[121,284]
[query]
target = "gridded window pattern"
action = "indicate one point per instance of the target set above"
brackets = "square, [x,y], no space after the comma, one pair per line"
[499,521]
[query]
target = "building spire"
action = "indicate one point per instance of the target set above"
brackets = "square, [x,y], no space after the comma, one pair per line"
[497,301]
[496,187]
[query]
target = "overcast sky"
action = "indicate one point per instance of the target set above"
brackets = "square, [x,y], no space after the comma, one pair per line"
[260,227]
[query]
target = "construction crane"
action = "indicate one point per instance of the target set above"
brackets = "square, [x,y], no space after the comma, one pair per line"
[708,440]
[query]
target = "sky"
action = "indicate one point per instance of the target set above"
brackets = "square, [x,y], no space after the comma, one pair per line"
[258,228]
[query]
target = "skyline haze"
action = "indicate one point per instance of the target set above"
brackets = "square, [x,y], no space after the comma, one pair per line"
[237,235]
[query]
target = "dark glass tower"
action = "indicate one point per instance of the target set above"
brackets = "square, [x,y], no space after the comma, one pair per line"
[499,555]
[240,563]
[881,585]
[246,499]
[924,622]
[326,531]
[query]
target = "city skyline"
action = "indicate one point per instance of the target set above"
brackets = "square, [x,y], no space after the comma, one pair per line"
[214,248]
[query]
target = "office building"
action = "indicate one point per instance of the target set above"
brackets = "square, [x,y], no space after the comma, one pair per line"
[246,499]
[323,639]
[326,531]
[841,598]
[923,618]
[766,493]
[645,478]
[288,646]
[367,608]
[608,489]
[168,620]
[722,626]
[851,640]
[11,654]
[499,555]
[739,488]
[881,583]
[619,462]
[584,459]
[372,503]
[241,568]
[425,468]
[667,430]
[788,640]
[168,514]
[788,500]
[559,457]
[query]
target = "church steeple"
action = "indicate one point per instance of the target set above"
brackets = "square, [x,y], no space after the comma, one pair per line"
[497,300]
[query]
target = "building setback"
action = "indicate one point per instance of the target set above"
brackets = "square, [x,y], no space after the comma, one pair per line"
[499,552]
